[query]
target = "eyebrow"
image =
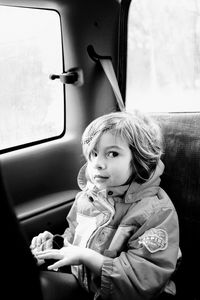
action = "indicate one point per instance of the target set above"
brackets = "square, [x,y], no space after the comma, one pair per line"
[114,147]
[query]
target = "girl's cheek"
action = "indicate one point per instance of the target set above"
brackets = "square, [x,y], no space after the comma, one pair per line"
[89,169]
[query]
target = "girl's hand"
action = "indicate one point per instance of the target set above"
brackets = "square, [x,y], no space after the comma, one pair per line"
[70,255]
[41,242]
[73,255]
[42,239]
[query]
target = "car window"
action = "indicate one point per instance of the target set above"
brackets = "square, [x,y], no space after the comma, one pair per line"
[163,64]
[31,105]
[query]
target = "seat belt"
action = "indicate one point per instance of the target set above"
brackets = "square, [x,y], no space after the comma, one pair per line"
[110,73]
[106,63]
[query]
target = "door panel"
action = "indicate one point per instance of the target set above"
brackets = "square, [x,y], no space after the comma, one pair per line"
[41,179]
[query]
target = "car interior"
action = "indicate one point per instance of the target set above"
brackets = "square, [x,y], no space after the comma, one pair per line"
[38,179]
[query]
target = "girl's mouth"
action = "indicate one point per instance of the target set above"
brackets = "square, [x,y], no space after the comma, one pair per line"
[100,178]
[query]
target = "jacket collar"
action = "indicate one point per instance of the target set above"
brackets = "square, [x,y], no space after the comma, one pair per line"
[150,188]
[133,192]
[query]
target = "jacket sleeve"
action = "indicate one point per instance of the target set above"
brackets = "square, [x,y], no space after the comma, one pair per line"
[143,269]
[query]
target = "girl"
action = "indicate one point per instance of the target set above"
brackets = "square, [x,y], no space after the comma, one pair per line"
[123,236]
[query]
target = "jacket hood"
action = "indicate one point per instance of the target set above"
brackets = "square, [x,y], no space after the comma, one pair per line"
[135,191]
[82,178]
[150,188]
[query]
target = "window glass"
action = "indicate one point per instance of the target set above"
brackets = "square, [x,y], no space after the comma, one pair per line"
[163,58]
[31,105]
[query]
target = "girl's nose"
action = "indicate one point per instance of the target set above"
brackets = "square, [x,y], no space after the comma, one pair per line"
[99,163]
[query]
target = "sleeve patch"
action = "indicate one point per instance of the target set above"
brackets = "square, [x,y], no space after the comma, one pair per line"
[154,239]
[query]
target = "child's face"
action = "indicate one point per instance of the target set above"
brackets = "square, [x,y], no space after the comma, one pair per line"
[109,164]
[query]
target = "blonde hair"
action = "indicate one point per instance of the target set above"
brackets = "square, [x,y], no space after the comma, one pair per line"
[141,132]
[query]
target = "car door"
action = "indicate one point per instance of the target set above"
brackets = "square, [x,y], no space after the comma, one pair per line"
[50,90]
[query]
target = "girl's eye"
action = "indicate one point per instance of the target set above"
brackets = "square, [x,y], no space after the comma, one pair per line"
[93,154]
[112,154]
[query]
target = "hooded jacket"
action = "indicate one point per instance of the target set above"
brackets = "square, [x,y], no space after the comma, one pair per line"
[136,227]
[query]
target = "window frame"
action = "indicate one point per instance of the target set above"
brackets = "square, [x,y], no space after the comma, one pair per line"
[123,61]
[56,137]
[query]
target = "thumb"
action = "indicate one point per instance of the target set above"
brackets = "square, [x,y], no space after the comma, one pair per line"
[57,264]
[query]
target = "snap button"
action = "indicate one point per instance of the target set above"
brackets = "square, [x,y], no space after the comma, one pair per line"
[110,193]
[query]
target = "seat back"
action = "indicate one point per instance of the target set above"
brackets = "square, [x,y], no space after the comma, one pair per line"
[181,180]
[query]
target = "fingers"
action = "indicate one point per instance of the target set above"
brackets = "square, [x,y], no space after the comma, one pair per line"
[58,264]
[33,243]
[49,254]
[41,256]
[37,241]
[47,245]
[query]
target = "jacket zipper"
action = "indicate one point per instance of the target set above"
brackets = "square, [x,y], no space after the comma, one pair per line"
[110,209]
